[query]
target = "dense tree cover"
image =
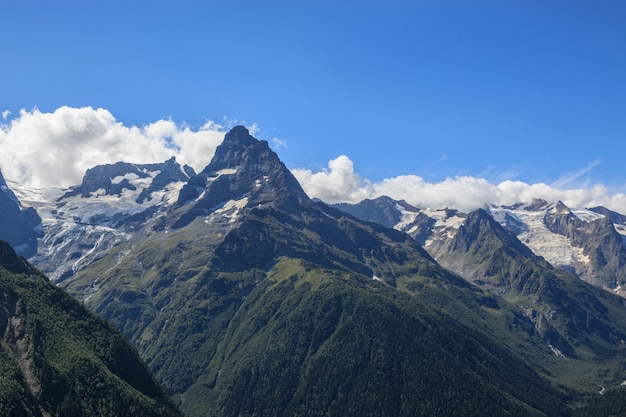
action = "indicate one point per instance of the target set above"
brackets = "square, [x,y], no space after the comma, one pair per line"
[325,346]
[15,400]
[57,356]
[611,403]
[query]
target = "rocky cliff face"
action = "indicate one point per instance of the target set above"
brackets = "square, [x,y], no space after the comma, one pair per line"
[601,244]
[18,226]
[244,170]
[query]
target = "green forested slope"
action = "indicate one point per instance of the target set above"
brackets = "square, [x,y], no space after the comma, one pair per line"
[323,343]
[58,358]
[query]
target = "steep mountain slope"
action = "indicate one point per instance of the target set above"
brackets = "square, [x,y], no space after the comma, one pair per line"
[576,318]
[248,298]
[18,226]
[585,242]
[307,342]
[59,359]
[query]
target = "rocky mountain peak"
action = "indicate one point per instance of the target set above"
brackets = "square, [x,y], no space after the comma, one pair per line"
[115,179]
[561,208]
[382,210]
[240,148]
[536,204]
[480,228]
[243,170]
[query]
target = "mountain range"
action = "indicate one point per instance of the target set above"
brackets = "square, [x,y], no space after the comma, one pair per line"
[589,243]
[245,297]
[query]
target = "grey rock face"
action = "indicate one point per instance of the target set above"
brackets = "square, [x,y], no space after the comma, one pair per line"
[18,226]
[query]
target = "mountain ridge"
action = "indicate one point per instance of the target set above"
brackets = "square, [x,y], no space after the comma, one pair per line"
[253,241]
[244,296]
[589,243]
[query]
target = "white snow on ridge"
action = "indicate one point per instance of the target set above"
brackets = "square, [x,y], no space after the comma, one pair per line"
[444,226]
[79,209]
[555,248]
[587,215]
[408,217]
[620,228]
[442,219]
[35,197]
[229,210]
[226,171]
[130,177]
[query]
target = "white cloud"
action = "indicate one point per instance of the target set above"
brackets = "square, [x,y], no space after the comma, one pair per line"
[55,149]
[573,177]
[336,184]
[279,143]
[340,183]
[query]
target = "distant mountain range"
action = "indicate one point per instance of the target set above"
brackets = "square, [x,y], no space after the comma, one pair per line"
[589,243]
[246,297]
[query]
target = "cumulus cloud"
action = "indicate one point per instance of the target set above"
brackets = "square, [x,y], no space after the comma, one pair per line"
[55,149]
[340,183]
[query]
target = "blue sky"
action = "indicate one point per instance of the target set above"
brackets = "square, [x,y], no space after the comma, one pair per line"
[530,91]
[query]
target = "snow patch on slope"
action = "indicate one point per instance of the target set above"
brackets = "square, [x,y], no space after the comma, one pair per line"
[555,248]
[446,225]
[227,211]
[408,217]
[130,177]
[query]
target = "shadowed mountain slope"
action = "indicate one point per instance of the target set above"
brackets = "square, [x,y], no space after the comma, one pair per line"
[59,359]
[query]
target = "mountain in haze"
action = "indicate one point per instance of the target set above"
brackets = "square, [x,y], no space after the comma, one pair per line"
[18,226]
[57,358]
[245,297]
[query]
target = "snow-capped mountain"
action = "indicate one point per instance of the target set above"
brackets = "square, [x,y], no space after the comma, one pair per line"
[590,243]
[212,276]
[113,201]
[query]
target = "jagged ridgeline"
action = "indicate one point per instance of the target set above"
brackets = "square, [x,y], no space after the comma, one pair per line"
[57,358]
[245,297]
